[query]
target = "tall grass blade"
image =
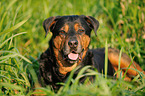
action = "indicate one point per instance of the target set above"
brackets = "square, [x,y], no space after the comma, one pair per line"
[13,56]
[106,59]
[1,45]
[10,4]
[12,86]
[119,62]
[34,76]
[127,68]
[17,10]
[67,84]
[80,74]
[1,21]
[14,27]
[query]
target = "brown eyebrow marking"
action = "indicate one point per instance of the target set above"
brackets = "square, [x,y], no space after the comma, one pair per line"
[65,28]
[77,26]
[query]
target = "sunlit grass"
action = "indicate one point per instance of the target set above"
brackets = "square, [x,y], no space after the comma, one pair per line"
[22,40]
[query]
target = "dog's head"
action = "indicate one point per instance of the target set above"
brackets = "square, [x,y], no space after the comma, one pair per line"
[71,38]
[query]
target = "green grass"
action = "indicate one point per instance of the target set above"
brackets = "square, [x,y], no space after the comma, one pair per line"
[22,40]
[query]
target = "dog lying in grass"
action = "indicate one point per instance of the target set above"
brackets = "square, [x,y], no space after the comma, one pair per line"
[69,47]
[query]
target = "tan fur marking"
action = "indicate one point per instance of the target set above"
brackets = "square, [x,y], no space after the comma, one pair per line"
[52,24]
[126,77]
[64,70]
[65,28]
[84,54]
[57,42]
[88,20]
[85,41]
[113,56]
[77,27]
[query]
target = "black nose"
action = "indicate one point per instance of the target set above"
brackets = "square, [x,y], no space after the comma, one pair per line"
[73,43]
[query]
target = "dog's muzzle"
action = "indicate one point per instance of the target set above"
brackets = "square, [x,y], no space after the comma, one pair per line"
[73,52]
[73,57]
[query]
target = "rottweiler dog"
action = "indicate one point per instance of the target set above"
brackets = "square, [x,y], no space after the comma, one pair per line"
[69,47]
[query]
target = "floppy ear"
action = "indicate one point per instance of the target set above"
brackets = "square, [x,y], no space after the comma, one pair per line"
[92,22]
[49,23]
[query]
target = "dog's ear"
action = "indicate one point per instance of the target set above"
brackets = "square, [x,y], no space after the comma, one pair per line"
[49,23]
[92,22]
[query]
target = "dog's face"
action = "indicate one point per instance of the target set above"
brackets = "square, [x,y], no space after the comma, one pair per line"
[71,38]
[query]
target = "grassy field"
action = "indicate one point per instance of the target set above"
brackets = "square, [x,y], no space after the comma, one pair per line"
[22,40]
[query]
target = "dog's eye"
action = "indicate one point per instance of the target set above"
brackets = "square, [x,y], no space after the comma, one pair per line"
[62,32]
[81,30]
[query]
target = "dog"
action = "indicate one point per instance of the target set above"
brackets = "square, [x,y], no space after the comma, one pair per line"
[69,48]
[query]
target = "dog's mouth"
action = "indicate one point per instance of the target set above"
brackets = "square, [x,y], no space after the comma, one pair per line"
[73,57]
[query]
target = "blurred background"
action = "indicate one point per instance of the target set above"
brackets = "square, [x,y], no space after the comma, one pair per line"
[22,37]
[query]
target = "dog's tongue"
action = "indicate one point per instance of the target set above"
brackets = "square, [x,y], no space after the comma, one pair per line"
[73,56]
